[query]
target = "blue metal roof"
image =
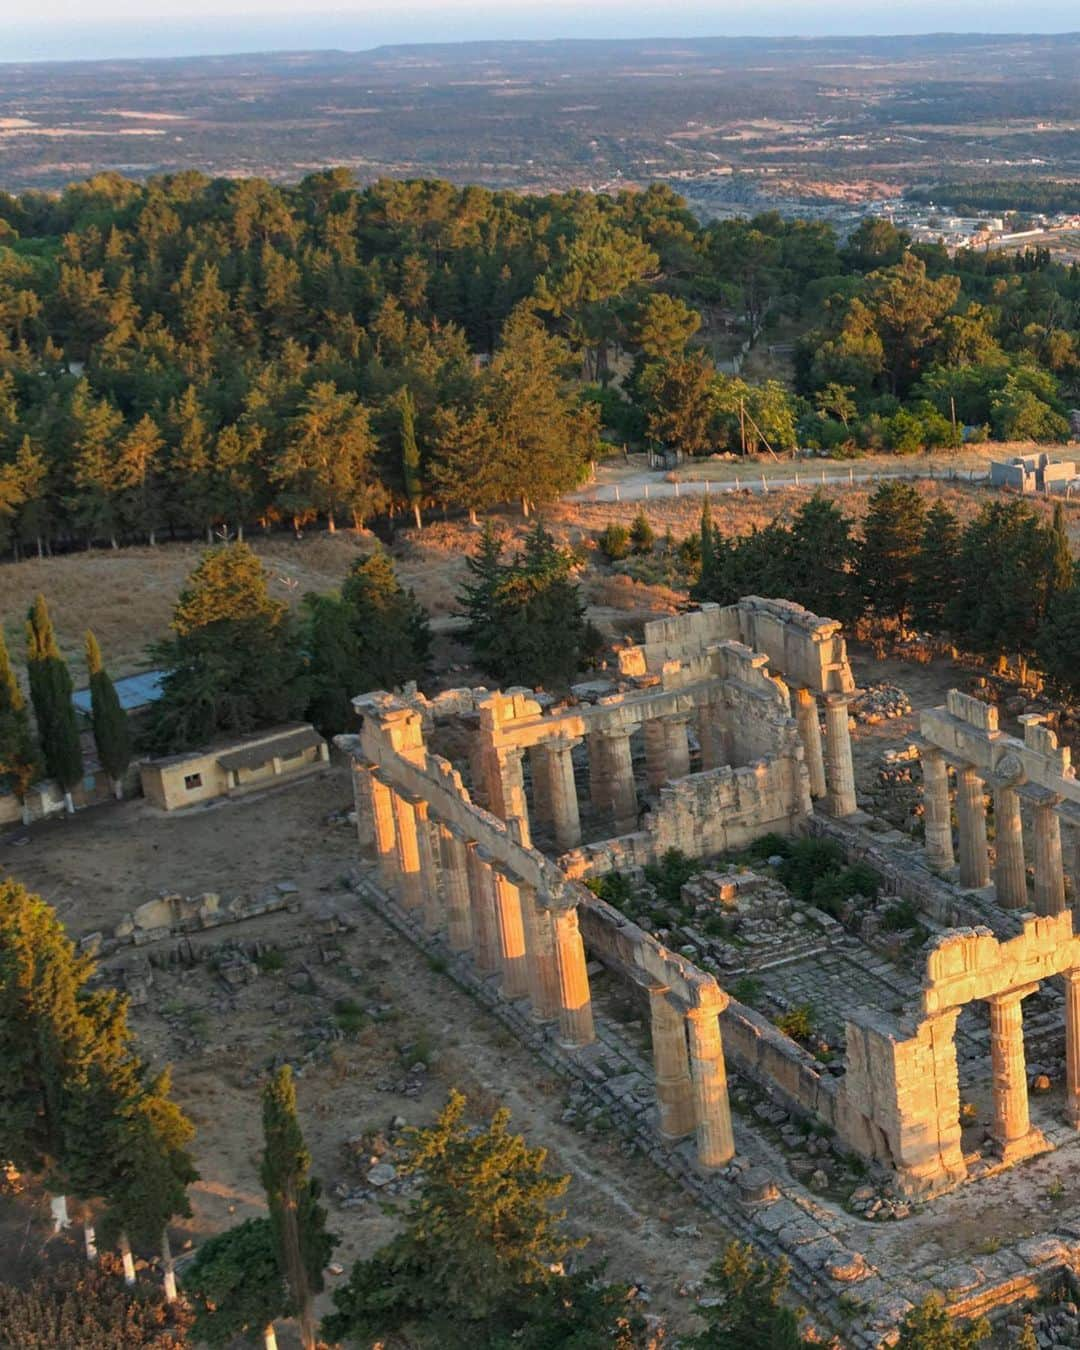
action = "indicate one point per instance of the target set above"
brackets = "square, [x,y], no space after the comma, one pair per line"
[134,691]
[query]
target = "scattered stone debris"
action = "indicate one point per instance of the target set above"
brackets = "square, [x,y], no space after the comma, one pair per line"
[880,703]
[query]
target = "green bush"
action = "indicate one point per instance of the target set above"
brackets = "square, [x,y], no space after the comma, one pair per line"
[615,888]
[814,872]
[798,1023]
[642,535]
[615,542]
[671,873]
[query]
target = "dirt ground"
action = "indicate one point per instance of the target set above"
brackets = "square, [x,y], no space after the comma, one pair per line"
[100,864]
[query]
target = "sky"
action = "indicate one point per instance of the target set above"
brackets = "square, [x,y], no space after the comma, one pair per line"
[60,29]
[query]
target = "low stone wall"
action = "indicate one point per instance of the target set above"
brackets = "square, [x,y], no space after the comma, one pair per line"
[789,1074]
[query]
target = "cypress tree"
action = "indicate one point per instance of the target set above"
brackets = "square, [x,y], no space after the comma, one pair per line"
[50,693]
[1059,560]
[112,732]
[17,759]
[936,575]
[301,1242]
[707,583]
[410,453]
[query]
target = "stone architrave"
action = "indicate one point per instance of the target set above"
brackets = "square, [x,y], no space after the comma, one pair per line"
[1010,876]
[937,812]
[575,1000]
[455,875]
[1049,867]
[712,1110]
[839,766]
[971,826]
[408,852]
[1011,1129]
[671,1064]
[806,716]
[511,929]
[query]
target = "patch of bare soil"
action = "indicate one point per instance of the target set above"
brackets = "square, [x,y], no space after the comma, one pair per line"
[399,1010]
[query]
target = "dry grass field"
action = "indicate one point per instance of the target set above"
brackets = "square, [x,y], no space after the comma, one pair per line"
[127,596]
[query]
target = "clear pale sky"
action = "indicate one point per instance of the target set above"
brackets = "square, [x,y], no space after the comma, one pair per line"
[72,29]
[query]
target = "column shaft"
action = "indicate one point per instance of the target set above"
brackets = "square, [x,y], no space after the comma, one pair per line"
[712,1110]
[937,813]
[408,851]
[710,736]
[624,804]
[541,790]
[1049,868]
[1072,1047]
[575,1000]
[1010,877]
[806,715]
[434,917]
[1011,1125]
[385,830]
[362,802]
[543,967]
[481,891]
[455,875]
[656,767]
[563,792]
[511,930]
[971,823]
[840,770]
[506,788]
[678,747]
[671,1062]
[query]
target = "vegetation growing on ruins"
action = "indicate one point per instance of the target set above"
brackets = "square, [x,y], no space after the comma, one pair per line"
[749,1311]
[478,1260]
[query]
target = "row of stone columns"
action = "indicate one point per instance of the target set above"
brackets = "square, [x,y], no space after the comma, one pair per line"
[829,763]
[456,887]
[1010,873]
[691,1077]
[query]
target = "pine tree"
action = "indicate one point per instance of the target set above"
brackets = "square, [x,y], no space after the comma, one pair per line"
[112,731]
[750,1313]
[887,556]
[18,763]
[301,1241]
[234,663]
[1058,643]
[392,629]
[138,470]
[477,596]
[50,693]
[410,453]
[935,575]
[642,535]
[931,1326]
[817,559]
[236,1287]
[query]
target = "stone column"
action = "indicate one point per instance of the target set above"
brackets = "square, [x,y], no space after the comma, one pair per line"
[541,792]
[678,747]
[1010,877]
[611,777]
[1011,1129]
[937,813]
[839,769]
[656,766]
[710,737]
[506,787]
[971,823]
[455,874]
[543,968]
[511,930]
[806,715]
[712,1110]
[481,892]
[362,801]
[408,852]
[671,1062]
[1071,980]
[575,1001]
[434,918]
[1049,868]
[382,819]
[563,793]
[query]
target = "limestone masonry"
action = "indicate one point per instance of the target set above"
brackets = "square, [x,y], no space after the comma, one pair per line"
[709,737]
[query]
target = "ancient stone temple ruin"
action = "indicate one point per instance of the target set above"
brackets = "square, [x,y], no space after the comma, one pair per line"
[487,812]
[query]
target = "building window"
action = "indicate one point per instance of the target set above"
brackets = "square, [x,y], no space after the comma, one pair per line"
[192,781]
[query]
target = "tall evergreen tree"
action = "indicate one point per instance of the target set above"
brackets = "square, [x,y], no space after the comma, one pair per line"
[749,1313]
[236,1287]
[18,763]
[301,1241]
[1058,644]
[410,453]
[112,730]
[935,575]
[394,636]
[820,552]
[50,692]
[1059,560]
[887,556]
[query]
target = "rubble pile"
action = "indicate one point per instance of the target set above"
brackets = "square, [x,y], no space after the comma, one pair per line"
[880,703]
